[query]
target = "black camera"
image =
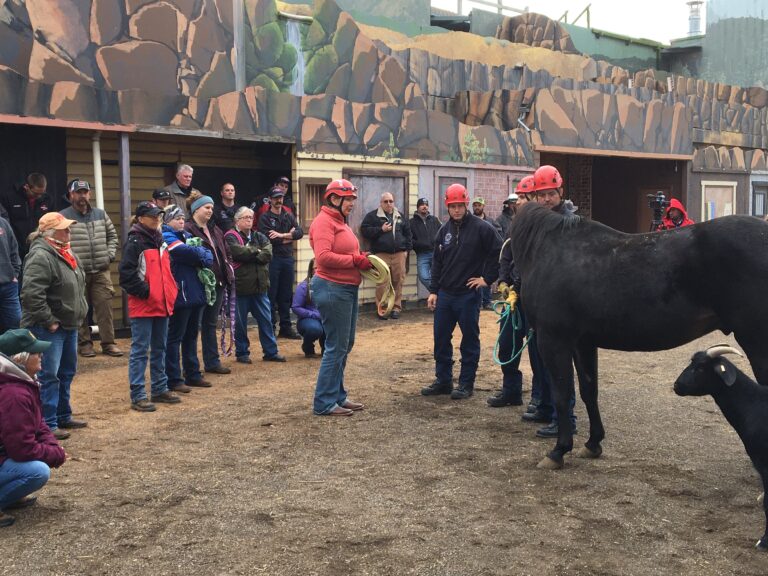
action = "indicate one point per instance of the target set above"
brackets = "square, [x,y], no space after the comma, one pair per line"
[657,202]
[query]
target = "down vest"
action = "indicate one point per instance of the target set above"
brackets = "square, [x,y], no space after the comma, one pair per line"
[94,238]
[145,274]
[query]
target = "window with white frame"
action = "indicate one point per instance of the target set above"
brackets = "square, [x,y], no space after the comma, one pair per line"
[717,199]
[759,199]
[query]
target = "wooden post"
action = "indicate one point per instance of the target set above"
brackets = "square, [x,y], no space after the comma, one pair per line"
[124,183]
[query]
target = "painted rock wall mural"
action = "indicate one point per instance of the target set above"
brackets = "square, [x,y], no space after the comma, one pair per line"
[331,85]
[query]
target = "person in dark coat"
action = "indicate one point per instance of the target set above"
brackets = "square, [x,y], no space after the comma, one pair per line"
[389,234]
[24,205]
[10,271]
[28,449]
[251,254]
[424,228]
[200,224]
[184,324]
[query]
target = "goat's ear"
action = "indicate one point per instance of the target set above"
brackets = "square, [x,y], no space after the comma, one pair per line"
[726,371]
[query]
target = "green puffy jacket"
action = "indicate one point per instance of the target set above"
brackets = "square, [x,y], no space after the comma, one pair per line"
[51,291]
[251,256]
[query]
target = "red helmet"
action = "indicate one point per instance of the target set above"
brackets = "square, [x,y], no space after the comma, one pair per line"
[526,185]
[456,194]
[341,188]
[546,178]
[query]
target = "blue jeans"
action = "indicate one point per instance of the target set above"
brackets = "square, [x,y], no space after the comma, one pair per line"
[312,330]
[18,479]
[259,307]
[424,268]
[58,369]
[281,289]
[338,307]
[10,309]
[208,323]
[464,310]
[547,403]
[146,333]
[183,328]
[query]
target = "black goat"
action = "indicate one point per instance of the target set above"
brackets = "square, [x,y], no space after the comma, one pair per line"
[742,401]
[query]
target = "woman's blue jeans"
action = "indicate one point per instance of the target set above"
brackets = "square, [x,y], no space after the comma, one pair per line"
[147,333]
[338,308]
[183,328]
[59,365]
[258,305]
[311,330]
[18,479]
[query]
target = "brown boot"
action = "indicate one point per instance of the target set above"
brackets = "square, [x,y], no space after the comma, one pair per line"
[111,350]
[87,351]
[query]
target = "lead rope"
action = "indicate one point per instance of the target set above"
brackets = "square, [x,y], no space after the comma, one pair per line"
[505,313]
[227,314]
[380,274]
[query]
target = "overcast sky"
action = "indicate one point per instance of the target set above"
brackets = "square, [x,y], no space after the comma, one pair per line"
[660,20]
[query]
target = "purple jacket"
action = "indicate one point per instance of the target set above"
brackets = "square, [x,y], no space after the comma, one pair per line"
[24,436]
[300,306]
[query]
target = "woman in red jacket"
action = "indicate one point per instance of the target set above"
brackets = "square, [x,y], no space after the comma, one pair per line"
[338,262]
[28,449]
[145,274]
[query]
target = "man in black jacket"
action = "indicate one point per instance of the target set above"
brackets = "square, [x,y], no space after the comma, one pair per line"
[390,237]
[282,229]
[466,259]
[424,228]
[24,205]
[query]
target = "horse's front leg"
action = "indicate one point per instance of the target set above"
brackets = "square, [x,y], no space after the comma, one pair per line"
[561,379]
[585,359]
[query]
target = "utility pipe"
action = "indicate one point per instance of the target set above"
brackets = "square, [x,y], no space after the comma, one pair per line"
[98,184]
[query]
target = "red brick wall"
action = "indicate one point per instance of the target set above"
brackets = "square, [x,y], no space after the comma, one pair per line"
[494,186]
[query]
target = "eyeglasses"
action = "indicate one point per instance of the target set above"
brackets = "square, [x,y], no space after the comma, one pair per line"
[245,218]
[388,201]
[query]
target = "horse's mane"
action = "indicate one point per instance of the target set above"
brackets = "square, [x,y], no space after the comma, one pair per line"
[533,223]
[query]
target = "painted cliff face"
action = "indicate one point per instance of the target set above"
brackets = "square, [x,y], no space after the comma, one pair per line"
[333,86]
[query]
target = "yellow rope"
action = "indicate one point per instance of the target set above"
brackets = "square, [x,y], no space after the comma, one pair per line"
[380,274]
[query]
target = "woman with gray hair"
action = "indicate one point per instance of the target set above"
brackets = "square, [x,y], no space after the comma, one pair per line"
[53,308]
[251,252]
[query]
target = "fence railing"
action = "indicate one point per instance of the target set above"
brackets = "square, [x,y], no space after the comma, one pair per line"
[498,4]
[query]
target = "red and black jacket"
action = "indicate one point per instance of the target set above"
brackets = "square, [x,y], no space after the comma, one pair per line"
[145,274]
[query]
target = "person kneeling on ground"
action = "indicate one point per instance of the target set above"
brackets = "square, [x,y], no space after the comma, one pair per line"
[309,323]
[28,449]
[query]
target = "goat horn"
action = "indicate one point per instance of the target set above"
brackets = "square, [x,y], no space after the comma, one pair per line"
[720,349]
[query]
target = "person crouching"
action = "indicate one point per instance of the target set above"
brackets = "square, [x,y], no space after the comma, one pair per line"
[28,449]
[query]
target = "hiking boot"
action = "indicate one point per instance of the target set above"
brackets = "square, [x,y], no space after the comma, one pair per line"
[380,317]
[462,392]
[502,399]
[6,520]
[436,388]
[143,405]
[289,334]
[166,397]
[111,350]
[72,423]
[219,369]
[201,383]
[537,416]
[87,351]
[533,405]
[25,502]
[180,387]
[551,431]
[244,360]
[275,358]
[309,350]
[395,314]
[60,434]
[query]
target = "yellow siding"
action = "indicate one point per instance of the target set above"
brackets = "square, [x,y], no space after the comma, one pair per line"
[330,168]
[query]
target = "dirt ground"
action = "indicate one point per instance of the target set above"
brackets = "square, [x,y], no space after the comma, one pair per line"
[242,479]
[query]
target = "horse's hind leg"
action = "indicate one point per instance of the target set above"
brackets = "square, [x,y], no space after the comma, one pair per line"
[585,359]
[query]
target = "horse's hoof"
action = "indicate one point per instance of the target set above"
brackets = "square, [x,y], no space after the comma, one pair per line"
[585,452]
[548,464]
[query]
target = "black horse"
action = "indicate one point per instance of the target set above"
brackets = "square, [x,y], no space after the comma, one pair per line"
[586,286]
